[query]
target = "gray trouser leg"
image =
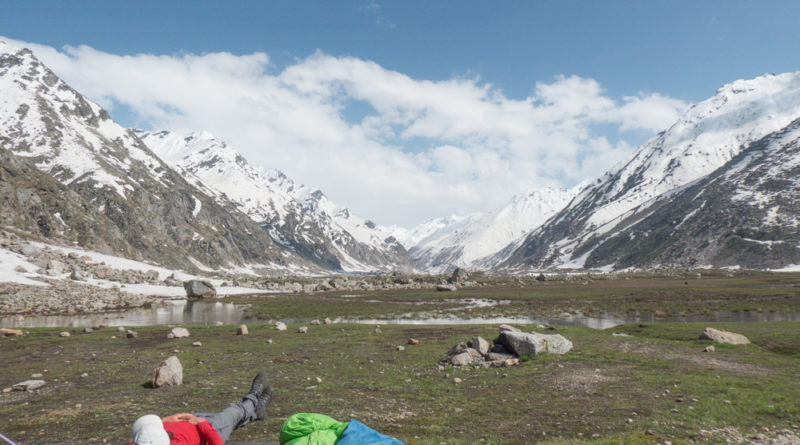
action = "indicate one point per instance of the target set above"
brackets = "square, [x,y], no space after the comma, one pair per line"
[234,416]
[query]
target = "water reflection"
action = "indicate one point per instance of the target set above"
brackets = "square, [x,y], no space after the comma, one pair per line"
[171,312]
[205,312]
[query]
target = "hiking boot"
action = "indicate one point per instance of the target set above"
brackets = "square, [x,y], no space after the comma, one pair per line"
[259,382]
[263,400]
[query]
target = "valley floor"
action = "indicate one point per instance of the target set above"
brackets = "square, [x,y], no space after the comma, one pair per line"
[651,385]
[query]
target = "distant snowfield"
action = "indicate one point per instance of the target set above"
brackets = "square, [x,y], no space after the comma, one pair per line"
[11,261]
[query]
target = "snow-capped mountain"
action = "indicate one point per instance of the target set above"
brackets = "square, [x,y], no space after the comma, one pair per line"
[70,172]
[708,136]
[295,216]
[472,244]
[430,229]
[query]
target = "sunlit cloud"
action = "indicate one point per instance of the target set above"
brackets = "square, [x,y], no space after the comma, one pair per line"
[421,149]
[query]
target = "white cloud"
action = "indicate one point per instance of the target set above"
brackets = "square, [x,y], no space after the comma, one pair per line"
[425,148]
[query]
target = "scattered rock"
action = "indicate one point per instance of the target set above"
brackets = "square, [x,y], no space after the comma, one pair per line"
[121,329]
[413,341]
[199,289]
[302,329]
[87,330]
[179,332]
[131,334]
[522,344]
[446,288]
[480,344]
[28,385]
[458,275]
[281,326]
[506,327]
[269,341]
[76,274]
[168,373]
[541,277]
[724,337]
[242,330]
[197,344]
[64,334]
[5,332]
[219,323]
[84,375]
[457,380]
[462,359]
[710,348]
[315,322]
[327,320]
[400,348]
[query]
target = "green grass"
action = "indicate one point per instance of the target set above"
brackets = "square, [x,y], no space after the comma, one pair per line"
[586,396]
[673,296]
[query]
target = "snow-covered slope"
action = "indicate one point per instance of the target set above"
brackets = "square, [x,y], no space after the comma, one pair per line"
[69,171]
[707,136]
[294,215]
[745,214]
[474,243]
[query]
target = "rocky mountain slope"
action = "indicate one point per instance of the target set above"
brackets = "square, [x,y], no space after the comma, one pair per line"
[709,136]
[295,216]
[473,243]
[69,172]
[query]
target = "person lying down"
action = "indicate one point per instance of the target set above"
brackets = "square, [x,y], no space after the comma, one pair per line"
[216,428]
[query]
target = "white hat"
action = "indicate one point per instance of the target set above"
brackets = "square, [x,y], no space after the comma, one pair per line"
[148,430]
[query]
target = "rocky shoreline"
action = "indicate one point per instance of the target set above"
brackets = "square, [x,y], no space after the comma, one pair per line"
[64,297]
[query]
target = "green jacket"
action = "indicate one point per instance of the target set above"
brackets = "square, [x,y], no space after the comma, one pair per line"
[311,429]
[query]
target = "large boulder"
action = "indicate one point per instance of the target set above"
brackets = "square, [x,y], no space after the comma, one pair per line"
[458,276]
[168,373]
[531,344]
[724,337]
[199,289]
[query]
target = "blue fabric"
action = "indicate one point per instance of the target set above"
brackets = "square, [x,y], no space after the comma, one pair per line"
[357,433]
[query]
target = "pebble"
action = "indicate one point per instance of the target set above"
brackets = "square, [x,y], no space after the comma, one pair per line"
[413,341]
[269,341]
[197,343]
[457,380]
[302,329]
[400,348]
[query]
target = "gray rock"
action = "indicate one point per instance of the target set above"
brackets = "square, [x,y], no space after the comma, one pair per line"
[458,275]
[179,332]
[64,334]
[76,274]
[476,355]
[281,326]
[724,337]
[327,320]
[199,289]
[462,359]
[168,373]
[522,343]
[302,329]
[709,349]
[480,344]
[31,250]
[506,327]
[242,330]
[494,356]
[28,385]
[315,322]
[446,288]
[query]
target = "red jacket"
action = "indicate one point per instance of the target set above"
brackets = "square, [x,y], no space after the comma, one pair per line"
[184,433]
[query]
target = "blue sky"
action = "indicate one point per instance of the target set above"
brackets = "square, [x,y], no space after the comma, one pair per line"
[664,54]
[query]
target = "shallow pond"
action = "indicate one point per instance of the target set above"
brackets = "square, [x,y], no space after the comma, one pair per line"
[177,312]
